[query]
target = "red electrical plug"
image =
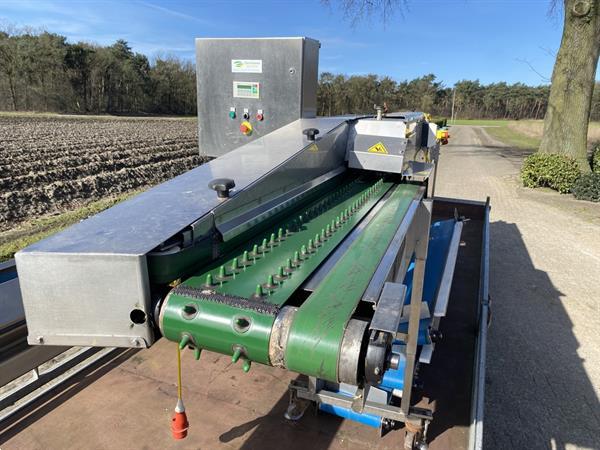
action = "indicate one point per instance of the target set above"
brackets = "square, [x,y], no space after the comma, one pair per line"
[179,423]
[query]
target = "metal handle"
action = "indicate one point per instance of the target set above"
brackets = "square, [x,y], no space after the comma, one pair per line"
[222,186]
[310,133]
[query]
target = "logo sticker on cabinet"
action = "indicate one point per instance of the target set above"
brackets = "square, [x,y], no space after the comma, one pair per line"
[246,65]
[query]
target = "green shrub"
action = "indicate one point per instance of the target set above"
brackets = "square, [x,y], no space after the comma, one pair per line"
[587,187]
[596,159]
[558,172]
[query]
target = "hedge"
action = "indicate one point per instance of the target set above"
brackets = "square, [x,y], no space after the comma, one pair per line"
[558,172]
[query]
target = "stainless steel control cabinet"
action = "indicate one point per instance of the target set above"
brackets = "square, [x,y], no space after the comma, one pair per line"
[266,83]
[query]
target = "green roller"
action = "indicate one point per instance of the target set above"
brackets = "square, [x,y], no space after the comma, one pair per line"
[318,328]
[218,326]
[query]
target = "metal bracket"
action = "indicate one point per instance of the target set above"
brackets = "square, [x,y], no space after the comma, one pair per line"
[389,308]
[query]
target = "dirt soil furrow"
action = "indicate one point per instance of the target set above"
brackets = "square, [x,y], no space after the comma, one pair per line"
[51,164]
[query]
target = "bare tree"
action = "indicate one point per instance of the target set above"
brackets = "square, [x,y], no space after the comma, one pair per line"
[573,80]
[358,10]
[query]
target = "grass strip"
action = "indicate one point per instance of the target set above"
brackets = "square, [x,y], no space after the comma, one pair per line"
[514,138]
[11,241]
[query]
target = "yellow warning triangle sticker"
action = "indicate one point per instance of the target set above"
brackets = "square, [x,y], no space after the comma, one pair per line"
[378,148]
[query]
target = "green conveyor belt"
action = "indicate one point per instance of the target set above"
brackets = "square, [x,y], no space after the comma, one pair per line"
[318,327]
[248,285]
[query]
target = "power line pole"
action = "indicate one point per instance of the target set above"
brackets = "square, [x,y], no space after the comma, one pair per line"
[453,98]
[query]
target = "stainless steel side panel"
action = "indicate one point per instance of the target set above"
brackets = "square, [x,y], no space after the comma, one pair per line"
[81,298]
[320,157]
[478,402]
[386,135]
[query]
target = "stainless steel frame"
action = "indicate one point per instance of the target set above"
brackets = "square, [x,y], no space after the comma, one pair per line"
[313,392]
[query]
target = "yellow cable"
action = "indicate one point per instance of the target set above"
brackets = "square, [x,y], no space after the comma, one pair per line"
[178,372]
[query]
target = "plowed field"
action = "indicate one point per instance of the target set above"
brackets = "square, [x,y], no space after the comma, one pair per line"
[50,164]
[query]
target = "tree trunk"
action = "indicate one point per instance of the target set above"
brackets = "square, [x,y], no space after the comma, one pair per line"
[573,78]
[13,94]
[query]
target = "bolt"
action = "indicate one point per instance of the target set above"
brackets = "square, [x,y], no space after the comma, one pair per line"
[258,291]
[222,273]
[310,245]
[303,250]
[377,370]
[184,341]
[296,258]
[270,285]
[281,274]
[289,266]
[209,280]
[197,352]
[236,355]
[328,230]
[271,282]
[235,265]
[280,234]
[135,341]
[246,367]
[245,258]
[264,245]
[272,240]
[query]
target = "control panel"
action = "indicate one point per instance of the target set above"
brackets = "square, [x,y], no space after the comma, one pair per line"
[250,87]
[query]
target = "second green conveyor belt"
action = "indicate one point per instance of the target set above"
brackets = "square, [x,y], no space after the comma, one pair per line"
[318,328]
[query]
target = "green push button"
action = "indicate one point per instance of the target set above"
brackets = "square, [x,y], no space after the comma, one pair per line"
[232,114]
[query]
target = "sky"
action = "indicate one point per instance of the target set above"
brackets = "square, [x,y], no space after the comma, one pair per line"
[488,40]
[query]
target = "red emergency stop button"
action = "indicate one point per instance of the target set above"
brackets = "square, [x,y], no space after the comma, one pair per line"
[246,128]
[260,117]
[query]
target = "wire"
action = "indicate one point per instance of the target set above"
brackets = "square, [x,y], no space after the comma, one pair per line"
[178,372]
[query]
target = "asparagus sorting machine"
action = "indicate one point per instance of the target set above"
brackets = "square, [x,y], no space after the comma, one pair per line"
[311,248]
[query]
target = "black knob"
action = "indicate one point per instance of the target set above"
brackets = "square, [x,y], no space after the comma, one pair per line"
[222,186]
[310,133]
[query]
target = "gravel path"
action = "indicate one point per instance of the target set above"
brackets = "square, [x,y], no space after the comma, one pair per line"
[543,362]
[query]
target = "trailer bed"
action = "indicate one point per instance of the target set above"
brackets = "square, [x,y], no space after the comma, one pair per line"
[126,399]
